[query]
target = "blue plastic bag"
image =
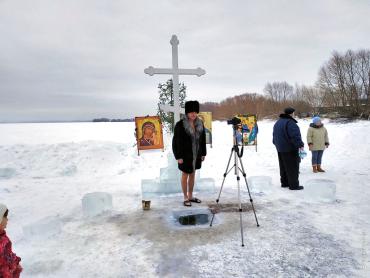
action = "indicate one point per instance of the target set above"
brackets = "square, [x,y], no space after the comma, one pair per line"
[302,153]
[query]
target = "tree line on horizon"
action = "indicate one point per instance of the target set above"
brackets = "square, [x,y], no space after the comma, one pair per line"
[100,120]
[342,86]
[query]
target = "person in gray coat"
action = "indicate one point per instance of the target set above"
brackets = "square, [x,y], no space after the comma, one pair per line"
[317,140]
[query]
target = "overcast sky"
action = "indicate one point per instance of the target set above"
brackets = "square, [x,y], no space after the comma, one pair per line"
[79,60]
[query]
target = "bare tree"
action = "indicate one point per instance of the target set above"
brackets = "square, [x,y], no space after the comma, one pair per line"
[344,79]
[279,91]
[310,95]
[363,71]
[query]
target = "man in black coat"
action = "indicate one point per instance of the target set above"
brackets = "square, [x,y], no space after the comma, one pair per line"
[189,148]
[287,140]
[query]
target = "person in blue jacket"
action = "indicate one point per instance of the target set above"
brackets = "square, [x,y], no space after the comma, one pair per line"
[288,141]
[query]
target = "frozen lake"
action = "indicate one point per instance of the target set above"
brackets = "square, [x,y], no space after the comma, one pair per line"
[46,170]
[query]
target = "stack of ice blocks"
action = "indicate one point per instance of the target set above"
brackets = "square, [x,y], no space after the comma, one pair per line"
[169,182]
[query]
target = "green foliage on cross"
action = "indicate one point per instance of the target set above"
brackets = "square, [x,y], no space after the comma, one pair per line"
[166,97]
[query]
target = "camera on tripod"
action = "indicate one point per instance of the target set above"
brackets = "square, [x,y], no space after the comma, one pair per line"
[234,121]
[240,129]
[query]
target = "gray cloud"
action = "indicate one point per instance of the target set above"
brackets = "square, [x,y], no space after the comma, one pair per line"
[77,60]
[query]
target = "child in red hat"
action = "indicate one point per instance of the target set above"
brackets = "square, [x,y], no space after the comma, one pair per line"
[9,262]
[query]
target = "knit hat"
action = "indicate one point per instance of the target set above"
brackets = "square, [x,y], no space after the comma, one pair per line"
[316,119]
[191,106]
[289,110]
[3,209]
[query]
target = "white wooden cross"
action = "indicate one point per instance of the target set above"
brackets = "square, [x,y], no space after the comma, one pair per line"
[175,71]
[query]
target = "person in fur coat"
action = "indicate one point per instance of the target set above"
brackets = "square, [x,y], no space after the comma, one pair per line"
[9,262]
[318,140]
[189,148]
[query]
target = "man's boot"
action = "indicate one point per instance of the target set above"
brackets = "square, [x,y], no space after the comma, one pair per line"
[314,168]
[319,169]
[299,187]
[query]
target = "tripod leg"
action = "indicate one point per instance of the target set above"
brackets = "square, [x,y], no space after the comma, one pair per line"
[240,208]
[249,193]
[225,174]
[236,166]
[236,156]
[223,182]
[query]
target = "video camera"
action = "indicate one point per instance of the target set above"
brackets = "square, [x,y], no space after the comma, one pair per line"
[234,121]
[237,124]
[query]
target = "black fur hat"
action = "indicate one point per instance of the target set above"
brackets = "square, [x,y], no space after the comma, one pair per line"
[289,110]
[191,106]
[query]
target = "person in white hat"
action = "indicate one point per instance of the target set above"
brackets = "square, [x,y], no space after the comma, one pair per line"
[9,261]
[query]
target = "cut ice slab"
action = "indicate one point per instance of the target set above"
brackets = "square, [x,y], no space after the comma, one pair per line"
[155,188]
[7,173]
[96,203]
[46,227]
[260,184]
[173,174]
[69,171]
[158,187]
[320,190]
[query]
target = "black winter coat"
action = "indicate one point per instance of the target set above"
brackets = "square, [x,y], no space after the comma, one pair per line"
[182,147]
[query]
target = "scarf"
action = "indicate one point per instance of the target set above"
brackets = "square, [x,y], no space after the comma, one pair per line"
[194,134]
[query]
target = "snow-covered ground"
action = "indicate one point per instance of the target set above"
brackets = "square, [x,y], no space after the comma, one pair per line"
[46,169]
